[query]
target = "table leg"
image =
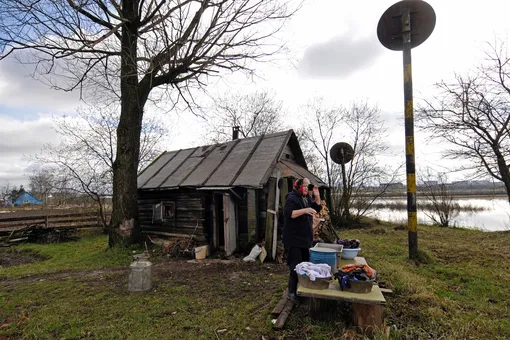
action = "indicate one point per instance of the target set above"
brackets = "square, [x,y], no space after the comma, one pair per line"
[322,309]
[367,317]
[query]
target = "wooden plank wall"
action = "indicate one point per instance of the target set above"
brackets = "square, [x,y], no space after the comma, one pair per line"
[189,205]
[252,212]
[262,214]
[270,216]
[284,190]
[242,217]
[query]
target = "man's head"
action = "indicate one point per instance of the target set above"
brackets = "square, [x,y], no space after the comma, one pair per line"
[301,186]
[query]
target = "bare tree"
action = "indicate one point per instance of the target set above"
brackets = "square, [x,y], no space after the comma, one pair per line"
[42,182]
[472,114]
[312,158]
[5,192]
[83,161]
[441,208]
[255,114]
[9,193]
[361,127]
[132,47]
[47,179]
[367,132]
[318,131]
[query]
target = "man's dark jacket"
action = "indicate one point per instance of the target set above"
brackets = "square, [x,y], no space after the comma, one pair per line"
[298,232]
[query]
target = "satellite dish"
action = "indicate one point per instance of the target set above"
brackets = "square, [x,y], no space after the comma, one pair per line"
[423,21]
[341,153]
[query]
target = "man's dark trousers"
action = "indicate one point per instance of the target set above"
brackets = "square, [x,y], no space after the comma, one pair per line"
[295,256]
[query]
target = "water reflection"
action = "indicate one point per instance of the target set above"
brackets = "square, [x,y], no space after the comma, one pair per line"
[495,215]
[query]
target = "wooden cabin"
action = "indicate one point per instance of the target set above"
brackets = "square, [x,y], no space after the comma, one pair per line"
[227,195]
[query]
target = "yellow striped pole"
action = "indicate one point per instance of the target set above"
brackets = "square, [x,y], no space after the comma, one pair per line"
[412,219]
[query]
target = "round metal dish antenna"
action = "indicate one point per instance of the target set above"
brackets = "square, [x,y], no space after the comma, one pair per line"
[423,21]
[341,153]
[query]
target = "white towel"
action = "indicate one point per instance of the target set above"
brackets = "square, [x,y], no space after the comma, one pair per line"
[314,271]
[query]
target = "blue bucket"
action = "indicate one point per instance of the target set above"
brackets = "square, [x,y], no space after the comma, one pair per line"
[324,255]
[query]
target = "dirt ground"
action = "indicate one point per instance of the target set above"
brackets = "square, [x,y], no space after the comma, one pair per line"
[15,257]
[182,271]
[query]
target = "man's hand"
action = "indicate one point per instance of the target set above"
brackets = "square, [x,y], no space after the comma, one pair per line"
[304,211]
[309,211]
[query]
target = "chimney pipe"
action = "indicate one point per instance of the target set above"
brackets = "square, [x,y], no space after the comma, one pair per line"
[235,132]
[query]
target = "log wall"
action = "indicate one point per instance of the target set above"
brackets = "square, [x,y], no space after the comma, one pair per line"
[189,206]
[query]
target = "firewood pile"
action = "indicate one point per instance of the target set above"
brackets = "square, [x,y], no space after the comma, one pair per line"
[45,226]
[324,231]
[179,246]
[37,234]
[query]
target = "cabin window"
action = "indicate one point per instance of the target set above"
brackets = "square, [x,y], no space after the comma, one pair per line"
[168,210]
[25,201]
[163,211]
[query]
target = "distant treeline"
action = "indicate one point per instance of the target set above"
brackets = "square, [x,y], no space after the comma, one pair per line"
[427,206]
[496,192]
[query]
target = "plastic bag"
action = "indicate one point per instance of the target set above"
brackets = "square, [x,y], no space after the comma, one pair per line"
[255,251]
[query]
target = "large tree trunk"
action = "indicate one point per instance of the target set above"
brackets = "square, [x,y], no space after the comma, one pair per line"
[124,225]
[504,171]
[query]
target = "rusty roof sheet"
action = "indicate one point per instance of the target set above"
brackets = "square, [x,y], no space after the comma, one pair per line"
[243,162]
[291,169]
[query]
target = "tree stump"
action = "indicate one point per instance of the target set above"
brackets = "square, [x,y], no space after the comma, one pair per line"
[368,318]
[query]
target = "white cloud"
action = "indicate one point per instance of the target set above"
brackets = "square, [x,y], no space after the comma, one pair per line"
[19,140]
[339,57]
[19,90]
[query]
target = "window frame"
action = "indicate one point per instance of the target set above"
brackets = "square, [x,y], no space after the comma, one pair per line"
[159,209]
[166,204]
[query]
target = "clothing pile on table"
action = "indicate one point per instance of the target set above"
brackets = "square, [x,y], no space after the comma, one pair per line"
[354,272]
[314,271]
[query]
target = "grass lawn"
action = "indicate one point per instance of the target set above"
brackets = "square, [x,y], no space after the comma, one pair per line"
[79,290]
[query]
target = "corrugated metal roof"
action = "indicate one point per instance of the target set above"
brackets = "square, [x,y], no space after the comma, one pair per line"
[244,162]
[234,163]
[154,168]
[168,169]
[262,159]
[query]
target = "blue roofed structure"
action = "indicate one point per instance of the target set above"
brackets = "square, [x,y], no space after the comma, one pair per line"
[27,198]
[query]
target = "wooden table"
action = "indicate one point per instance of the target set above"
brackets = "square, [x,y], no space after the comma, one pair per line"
[367,308]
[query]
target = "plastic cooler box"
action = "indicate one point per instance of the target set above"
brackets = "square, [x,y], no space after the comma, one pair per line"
[324,255]
[337,247]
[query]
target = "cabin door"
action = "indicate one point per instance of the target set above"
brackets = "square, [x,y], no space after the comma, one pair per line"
[230,224]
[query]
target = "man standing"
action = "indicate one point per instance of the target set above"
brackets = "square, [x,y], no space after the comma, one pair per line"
[298,228]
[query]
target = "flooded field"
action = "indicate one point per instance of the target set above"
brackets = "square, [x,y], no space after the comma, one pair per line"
[489,214]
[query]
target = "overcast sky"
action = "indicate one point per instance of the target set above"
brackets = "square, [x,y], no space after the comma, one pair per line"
[333,52]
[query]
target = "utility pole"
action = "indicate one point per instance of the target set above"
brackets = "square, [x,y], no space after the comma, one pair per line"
[402,27]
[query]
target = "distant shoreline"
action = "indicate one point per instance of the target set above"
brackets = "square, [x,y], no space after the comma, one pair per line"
[456,194]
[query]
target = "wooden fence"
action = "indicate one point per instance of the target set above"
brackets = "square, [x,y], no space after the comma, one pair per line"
[64,219]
